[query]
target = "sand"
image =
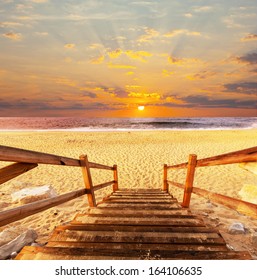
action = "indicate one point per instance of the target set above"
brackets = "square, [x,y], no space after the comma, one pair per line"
[140,156]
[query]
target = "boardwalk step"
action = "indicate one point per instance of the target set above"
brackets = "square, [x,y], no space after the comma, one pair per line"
[141,246]
[138,211]
[60,253]
[146,224]
[135,228]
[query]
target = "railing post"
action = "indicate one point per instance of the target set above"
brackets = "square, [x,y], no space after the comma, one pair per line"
[88,180]
[189,180]
[115,177]
[165,177]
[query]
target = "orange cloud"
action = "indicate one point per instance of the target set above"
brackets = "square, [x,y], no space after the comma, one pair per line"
[150,33]
[13,36]
[120,66]
[249,37]
[98,60]
[167,73]
[69,46]
[115,54]
[138,55]
[174,33]
[182,61]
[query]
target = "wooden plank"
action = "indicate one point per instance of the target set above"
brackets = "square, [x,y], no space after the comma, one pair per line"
[16,214]
[115,178]
[137,237]
[246,155]
[157,195]
[104,185]
[165,177]
[136,228]
[21,155]
[140,221]
[134,202]
[135,215]
[59,253]
[142,191]
[189,180]
[9,172]
[139,206]
[107,211]
[141,246]
[151,200]
[87,180]
[241,206]
[99,166]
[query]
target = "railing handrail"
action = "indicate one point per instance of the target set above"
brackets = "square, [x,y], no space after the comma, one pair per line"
[246,155]
[12,154]
[26,160]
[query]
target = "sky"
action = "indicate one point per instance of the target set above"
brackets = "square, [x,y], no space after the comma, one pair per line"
[100,58]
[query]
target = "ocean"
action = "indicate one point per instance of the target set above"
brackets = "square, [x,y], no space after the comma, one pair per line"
[124,124]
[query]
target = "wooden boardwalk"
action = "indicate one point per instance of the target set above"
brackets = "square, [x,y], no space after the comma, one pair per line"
[134,224]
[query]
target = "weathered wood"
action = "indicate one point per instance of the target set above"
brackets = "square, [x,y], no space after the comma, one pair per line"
[241,206]
[246,155]
[87,180]
[149,212]
[165,177]
[144,206]
[189,180]
[21,155]
[11,171]
[141,246]
[137,237]
[135,228]
[100,186]
[16,214]
[135,215]
[140,221]
[115,177]
[99,166]
[60,253]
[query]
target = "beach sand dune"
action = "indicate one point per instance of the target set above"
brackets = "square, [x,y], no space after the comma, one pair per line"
[140,156]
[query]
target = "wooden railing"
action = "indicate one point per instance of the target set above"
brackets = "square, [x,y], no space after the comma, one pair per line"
[247,155]
[26,160]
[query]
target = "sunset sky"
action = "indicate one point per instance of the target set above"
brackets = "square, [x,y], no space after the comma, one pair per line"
[96,58]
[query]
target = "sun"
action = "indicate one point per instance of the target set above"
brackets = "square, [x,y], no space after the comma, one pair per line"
[141,108]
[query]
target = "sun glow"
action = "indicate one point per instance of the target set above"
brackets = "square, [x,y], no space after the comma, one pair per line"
[141,108]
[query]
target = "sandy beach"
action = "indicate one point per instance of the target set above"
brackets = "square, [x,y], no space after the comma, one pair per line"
[140,157]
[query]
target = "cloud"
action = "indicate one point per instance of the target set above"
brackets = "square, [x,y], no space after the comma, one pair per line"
[250,58]
[115,54]
[89,94]
[69,46]
[42,34]
[182,61]
[10,24]
[202,9]
[177,32]
[120,66]
[188,15]
[97,60]
[149,35]
[249,37]
[244,88]
[167,73]
[138,55]
[39,1]
[199,101]
[202,75]
[13,36]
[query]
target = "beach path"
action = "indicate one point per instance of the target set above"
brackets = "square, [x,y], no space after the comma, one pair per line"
[144,224]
